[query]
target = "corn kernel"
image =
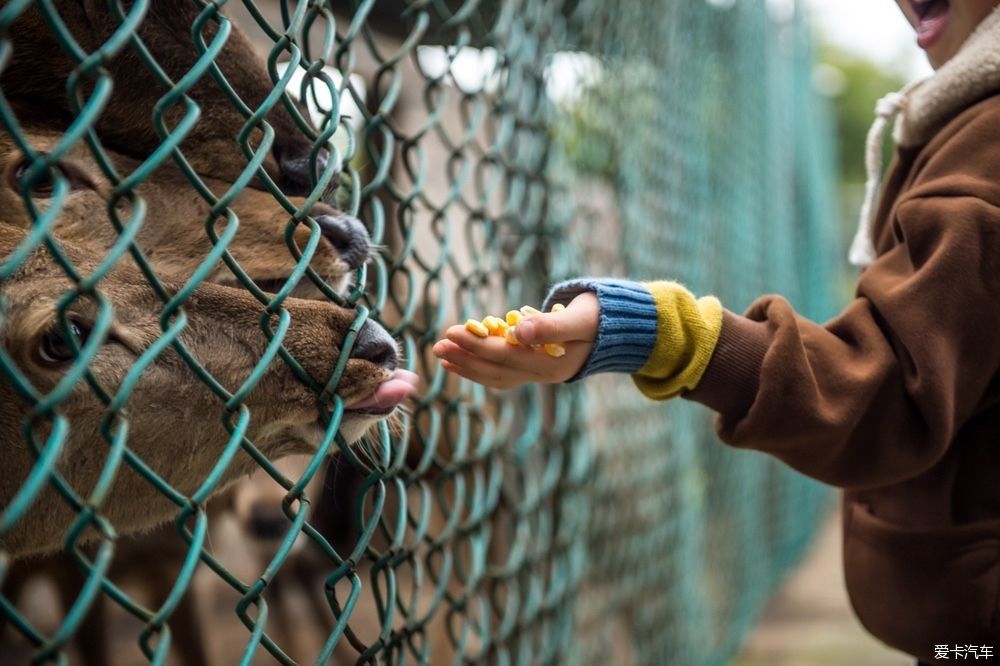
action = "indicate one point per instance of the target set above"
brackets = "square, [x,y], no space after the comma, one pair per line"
[506,328]
[494,325]
[477,328]
[529,311]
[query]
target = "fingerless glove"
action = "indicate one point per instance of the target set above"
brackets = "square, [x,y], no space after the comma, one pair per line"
[656,331]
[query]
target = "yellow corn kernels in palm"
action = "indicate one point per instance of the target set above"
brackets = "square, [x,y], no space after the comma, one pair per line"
[529,311]
[507,328]
[477,328]
[495,325]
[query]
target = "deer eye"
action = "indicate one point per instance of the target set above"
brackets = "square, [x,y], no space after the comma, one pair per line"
[53,347]
[45,184]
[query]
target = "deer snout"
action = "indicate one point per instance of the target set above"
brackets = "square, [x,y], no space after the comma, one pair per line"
[374,344]
[386,390]
[348,236]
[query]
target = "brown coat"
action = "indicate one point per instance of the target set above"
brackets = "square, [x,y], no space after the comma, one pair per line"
[897,400]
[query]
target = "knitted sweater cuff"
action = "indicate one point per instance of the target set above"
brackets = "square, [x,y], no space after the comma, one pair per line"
[626,333]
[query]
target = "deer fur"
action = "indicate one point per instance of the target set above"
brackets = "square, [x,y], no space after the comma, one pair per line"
[180,439]
[175,242]
[126,121]
[173,233]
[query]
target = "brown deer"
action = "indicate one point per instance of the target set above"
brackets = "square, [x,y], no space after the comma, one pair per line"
[174,240]
[35,79]
[173,233]
[246,526]
[180,439]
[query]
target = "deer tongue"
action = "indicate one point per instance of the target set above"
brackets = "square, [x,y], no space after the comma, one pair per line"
[390,393]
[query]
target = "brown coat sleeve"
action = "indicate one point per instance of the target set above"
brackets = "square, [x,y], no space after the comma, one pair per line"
[877,395]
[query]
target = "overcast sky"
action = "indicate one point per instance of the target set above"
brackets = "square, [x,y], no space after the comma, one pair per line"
[874,29]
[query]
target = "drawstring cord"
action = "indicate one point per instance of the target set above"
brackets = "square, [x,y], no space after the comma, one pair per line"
[862,252]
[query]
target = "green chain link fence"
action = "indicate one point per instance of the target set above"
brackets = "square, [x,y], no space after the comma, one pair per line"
[491,148]
[720,176]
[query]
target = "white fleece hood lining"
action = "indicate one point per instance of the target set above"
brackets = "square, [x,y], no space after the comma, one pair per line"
[921,108]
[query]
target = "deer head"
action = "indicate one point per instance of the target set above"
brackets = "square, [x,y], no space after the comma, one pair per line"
[173,233]
[175,421]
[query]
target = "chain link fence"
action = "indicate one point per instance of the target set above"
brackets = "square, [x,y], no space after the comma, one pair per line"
[181,175]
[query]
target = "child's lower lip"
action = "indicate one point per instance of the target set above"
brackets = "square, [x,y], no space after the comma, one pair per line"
[931,26]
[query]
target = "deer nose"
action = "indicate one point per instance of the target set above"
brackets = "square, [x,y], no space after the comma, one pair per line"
[374,344]
[348,236]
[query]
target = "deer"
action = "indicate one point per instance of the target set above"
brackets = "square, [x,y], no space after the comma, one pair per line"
[223,334]
[294,160]
[174,240]
[30,335]
[168,233]
[245,522]
[173,234]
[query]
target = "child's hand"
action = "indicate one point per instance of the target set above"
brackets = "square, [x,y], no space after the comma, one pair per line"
[497,364]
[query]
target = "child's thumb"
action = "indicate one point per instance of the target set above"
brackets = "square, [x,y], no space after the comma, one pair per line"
[553,327]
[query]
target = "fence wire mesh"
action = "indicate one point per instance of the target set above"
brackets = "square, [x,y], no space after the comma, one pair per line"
[185,301]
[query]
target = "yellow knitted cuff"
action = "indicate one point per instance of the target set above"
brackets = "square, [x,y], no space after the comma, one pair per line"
[687,330]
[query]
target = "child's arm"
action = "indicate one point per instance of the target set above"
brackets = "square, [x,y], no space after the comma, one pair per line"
[658,332]
[879,394]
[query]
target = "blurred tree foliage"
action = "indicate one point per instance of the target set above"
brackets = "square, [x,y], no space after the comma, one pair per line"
[854,106]
[590,131]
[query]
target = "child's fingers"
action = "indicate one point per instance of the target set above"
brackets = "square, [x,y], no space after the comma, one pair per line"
[491,346]
[457,360]
[498,351]
[533,364]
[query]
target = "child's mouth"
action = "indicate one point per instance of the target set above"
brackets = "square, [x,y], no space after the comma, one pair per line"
[932,19]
